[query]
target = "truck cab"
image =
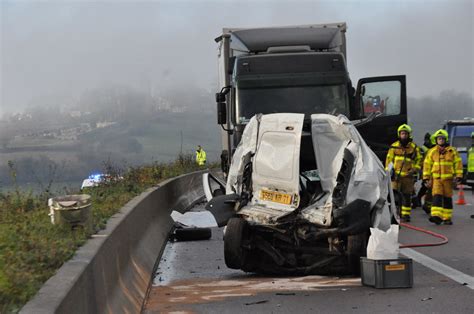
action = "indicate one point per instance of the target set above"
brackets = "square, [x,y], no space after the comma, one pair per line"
[301,69]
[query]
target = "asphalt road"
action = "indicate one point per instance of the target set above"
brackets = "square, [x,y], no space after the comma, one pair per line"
[192,278]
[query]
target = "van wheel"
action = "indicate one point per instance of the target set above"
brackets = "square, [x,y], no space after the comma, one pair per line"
[356,248]
[235,234]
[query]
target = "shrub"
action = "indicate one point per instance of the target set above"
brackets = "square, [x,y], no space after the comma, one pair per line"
[32,249]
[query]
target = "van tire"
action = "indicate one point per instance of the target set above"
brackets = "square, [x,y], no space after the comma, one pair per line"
[356,248]
[235,234]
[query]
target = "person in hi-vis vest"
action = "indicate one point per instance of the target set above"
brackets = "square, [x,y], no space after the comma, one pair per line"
[200,156]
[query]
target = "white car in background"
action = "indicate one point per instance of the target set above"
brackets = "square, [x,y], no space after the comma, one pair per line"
[93,180]
[98,178]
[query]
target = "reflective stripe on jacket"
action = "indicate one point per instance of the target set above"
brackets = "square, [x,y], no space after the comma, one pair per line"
[442,164]
[404,159]
[470,160]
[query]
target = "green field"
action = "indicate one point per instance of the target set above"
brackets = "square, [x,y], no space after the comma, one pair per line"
[32,249]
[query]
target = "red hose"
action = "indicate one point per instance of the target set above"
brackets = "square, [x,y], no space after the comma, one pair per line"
[434,234]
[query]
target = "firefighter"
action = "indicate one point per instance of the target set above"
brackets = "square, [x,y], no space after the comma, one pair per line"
[406,159]
[470,160]
[428,143]
[200,156]
[441,166]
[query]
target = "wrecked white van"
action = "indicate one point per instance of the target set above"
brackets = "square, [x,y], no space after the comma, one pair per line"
[300,196]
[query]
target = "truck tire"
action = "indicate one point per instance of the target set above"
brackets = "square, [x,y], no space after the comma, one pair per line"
[192,234]
[356,248]
[235,233]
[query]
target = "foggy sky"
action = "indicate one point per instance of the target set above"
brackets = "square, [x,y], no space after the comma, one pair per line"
[53,51]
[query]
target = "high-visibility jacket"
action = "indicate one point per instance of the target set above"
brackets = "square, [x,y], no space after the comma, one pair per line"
[470,160]
[425,155]
[425,148]
[442,163]
[404,158]
[201,157]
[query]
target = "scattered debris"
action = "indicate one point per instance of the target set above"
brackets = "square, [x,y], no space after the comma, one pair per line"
[191,234]
[257,302]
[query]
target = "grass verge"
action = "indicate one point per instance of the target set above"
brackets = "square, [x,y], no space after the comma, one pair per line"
[32,249]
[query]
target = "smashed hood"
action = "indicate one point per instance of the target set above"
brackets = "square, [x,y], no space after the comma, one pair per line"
[270,147]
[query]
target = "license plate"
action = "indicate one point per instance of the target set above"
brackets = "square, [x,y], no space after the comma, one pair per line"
[275,197]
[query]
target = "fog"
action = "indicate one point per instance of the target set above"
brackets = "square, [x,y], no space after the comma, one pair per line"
[54,51]
[82,82]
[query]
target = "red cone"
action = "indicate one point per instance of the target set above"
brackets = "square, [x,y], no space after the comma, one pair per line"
[461,200]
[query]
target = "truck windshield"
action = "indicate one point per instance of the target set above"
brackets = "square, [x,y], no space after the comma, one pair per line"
[295,99]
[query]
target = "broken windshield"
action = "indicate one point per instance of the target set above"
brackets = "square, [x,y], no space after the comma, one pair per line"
[330,99]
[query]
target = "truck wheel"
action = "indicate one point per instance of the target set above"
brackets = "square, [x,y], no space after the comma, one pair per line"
[235,233]
[356,248]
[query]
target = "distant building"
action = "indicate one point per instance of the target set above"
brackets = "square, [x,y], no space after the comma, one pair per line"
[75,114]
[20,117]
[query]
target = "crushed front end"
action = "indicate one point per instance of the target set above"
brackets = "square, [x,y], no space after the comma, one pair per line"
[301,196]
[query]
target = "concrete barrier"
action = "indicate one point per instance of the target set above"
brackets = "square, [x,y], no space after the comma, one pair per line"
[112,272]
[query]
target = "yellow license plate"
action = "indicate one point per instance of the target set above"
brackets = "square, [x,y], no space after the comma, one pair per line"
[275,197]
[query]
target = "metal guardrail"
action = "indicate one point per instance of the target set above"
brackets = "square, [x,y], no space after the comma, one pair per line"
[113,271]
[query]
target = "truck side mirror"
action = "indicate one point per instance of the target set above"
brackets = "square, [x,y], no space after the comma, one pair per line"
[221,113]
[220,97]
[222,105]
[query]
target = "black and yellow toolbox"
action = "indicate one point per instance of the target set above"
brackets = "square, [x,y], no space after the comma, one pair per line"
[386,273]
